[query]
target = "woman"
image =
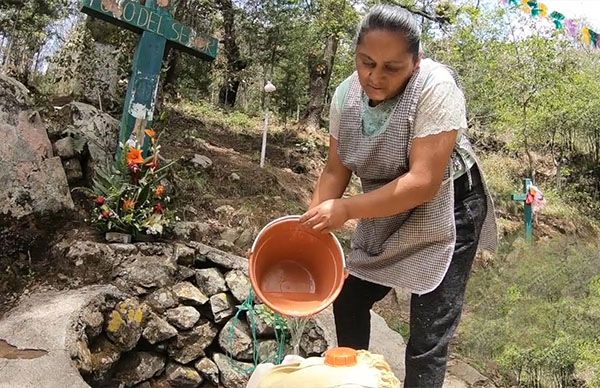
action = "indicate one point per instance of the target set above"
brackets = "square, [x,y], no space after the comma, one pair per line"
[398,123]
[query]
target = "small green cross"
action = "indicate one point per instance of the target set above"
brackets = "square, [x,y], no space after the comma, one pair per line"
[528,214]
[159,32]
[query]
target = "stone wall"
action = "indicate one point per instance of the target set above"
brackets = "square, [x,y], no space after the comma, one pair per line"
[177,323]
[85,138]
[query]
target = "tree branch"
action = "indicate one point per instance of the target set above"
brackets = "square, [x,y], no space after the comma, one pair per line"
[435,18]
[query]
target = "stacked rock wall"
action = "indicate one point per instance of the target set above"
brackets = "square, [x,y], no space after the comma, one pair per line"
[175,324]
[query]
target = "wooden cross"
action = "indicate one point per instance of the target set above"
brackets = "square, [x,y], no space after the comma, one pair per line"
[159,32]
[528,214]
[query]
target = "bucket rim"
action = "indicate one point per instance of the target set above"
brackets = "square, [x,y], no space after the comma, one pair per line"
[295,218]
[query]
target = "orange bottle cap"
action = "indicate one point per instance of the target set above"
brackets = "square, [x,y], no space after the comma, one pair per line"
[341,357]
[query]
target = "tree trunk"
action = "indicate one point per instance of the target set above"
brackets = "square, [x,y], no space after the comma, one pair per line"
[320,75]
[235,64]
[172,72]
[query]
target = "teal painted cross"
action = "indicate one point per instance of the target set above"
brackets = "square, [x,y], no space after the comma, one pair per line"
[528,215]
[159,32]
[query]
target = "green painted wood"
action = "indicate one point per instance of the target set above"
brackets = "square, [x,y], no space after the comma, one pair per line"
[528,211]
[142,87]
[159,32]
[139,18]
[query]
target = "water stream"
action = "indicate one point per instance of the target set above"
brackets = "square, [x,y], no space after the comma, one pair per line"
[296,326]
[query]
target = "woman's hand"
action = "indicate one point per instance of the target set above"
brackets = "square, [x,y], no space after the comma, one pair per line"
[327,216]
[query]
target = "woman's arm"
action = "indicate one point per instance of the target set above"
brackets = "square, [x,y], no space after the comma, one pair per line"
[428,160]
[333,179]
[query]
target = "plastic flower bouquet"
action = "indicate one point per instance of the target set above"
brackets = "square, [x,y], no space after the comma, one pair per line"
[129,197]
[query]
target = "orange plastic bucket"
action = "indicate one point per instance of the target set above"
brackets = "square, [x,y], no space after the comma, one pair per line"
[295,270]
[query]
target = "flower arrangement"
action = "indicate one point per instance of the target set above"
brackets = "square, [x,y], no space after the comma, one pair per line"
[129,197]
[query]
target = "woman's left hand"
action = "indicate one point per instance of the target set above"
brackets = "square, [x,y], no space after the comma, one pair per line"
[327,216]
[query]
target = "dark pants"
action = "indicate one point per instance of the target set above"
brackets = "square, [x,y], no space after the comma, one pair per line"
[433,316]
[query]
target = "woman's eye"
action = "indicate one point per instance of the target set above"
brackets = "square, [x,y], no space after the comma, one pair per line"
[369,64]
[392,69]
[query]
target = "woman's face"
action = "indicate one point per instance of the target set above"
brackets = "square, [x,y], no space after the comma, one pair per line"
[384,64]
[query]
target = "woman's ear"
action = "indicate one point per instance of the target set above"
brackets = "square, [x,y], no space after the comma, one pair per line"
[417,63]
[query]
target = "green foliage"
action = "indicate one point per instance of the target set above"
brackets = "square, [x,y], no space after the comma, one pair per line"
[533,89]
[402,328]
[536,314]
[25,26]
[271,318]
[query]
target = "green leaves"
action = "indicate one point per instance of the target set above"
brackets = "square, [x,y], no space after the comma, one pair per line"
[537,313]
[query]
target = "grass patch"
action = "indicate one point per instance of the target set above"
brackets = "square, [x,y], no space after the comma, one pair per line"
[238,121]
[536,314]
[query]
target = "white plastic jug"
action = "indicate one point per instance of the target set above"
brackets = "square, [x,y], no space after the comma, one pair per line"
[341,367]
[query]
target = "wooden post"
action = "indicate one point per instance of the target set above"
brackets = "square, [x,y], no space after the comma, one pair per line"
[528,211]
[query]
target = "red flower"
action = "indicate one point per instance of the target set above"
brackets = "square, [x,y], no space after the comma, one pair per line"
[159,208]
[106,214]
[100,200]
[135,168]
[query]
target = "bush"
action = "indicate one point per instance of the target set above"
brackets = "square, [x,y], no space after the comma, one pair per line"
[539,315]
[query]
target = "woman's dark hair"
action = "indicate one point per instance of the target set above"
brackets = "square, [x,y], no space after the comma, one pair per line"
[394,19]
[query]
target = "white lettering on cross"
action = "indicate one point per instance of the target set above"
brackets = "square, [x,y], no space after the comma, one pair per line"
[185,35]
[177,32]
[152,22]
[143,12]
[131,8]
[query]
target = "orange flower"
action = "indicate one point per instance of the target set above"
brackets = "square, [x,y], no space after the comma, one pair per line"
[150,132]
[128,204]
[160,191]
[135,156]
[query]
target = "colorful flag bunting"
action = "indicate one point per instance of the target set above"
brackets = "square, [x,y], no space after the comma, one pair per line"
[572,27]
[558,19]
[537,9]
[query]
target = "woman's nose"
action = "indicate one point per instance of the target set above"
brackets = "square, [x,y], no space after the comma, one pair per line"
[375,77]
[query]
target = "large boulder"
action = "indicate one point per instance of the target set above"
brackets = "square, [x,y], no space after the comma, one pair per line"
[95,134]
[14,98]
[32,180]
[45,325]
[87,68]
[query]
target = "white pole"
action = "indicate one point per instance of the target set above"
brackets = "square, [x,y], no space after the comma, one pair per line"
[264,137]
[269,88]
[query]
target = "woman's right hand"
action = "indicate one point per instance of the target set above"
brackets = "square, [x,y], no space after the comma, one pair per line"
[327,216]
